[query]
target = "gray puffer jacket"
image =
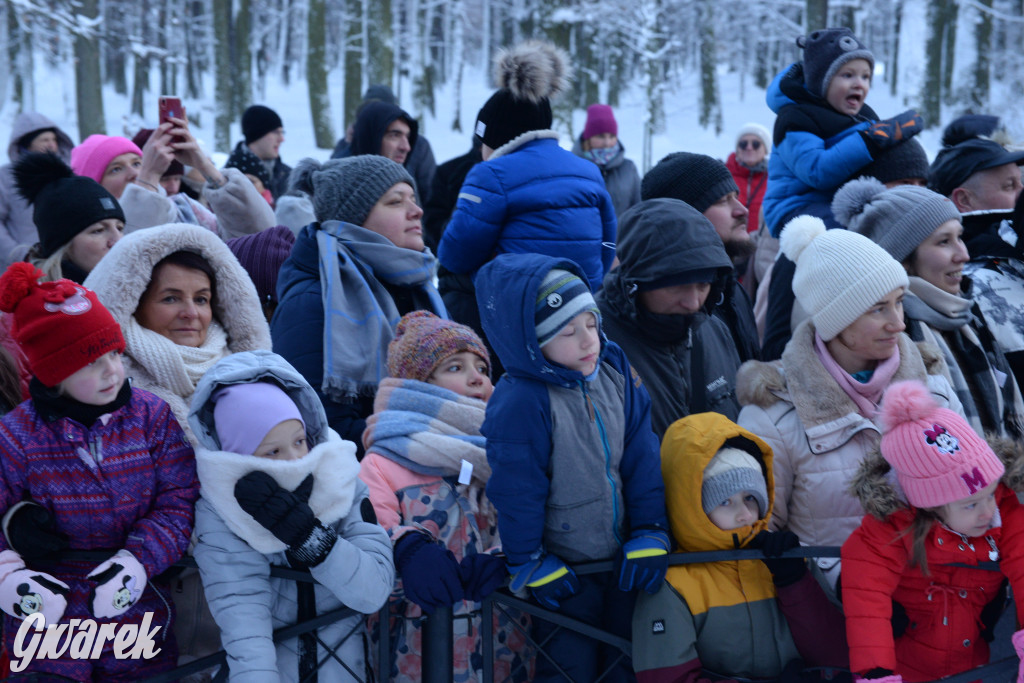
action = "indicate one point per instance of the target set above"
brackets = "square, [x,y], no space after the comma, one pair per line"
[621,178]
[235,553]
[17,229]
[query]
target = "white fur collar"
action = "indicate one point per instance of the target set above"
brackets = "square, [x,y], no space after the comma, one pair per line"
[333,465]
[520,140]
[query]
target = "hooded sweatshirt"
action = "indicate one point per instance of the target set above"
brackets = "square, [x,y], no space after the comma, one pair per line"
[724,616]
[234,552]
[574,464]
[17,229]
[688,362]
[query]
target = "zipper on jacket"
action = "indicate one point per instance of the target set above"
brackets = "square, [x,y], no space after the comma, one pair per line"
[595,416]
[96,449]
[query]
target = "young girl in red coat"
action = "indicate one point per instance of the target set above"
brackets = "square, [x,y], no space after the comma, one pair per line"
[920,552]
[107,469]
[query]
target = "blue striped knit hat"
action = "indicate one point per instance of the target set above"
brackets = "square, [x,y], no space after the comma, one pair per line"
[562,296]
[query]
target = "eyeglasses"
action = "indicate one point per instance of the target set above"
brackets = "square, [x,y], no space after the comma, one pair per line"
[754,144]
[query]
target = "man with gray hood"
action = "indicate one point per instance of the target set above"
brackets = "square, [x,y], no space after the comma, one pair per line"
[658,305]
[31,132]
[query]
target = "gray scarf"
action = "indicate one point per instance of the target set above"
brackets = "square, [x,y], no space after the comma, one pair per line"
[359,313]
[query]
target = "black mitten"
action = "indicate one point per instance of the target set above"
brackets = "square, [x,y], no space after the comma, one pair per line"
[785,571]
[287,515]
[31,531]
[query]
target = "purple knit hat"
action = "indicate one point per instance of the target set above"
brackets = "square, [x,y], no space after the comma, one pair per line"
[262,254]
[600,119]
[92,157]
[244,414]
[422,341]
[938,458]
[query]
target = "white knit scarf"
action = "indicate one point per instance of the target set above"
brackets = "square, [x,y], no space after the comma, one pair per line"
[175,367]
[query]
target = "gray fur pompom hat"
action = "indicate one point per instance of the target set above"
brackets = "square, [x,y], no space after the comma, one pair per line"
[346,189]
[898,220]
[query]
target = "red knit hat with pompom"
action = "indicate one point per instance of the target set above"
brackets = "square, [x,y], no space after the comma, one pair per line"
[938,458]
[60,326]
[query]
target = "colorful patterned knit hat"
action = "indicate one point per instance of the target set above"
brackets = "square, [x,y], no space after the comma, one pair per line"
[422,341]
[562,297]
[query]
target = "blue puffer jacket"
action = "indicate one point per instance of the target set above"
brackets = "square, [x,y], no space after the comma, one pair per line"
[574,463]
[816,149]
[532,197]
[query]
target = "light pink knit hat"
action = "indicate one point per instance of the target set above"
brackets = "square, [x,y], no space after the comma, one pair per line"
[92,157]
[938,458]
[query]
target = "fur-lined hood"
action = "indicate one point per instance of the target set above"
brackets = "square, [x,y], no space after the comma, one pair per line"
[876,487]
[122,275]
[801,379]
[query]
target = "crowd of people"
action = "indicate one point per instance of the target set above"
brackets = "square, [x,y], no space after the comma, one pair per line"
[417,384]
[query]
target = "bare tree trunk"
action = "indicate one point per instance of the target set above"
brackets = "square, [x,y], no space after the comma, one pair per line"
[354,48]
[316,75]
[89,86]
[982,71]
[710,104]
[381,59]
[931,93]
[225,87]
[816,15]
[242,71]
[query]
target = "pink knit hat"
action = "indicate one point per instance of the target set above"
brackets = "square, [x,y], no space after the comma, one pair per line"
[92,157]
[938,458]
[600,119]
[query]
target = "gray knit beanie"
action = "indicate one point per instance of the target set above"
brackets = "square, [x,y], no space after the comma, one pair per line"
[728,473]
[697,179]
[825,53]
[346,189]
[898,220]
[839,274]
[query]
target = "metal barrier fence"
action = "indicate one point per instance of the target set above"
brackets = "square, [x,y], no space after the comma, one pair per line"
[437,638]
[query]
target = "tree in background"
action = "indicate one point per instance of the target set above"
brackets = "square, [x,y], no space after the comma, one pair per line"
[946,56]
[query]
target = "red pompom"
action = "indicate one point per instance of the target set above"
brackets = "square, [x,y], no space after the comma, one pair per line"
[905,402]
[16,283]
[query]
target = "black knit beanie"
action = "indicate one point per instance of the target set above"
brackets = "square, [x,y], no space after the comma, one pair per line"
[529,75]
[905,160]
[63,204]
[697,179]
[257,121]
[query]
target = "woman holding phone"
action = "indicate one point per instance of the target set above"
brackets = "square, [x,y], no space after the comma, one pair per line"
[133,174]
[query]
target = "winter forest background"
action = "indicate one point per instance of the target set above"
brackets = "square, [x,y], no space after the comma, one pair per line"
[681,74]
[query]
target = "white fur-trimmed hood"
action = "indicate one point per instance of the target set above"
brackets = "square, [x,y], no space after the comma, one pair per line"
[332,463]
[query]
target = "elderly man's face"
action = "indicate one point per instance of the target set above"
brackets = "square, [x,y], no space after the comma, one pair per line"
[994,189]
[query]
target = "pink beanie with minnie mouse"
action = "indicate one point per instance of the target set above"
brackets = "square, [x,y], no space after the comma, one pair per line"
[938,458]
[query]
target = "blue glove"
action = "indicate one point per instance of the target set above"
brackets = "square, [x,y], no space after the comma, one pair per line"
[429,572]
[549,579]
[482,574]
[644,560]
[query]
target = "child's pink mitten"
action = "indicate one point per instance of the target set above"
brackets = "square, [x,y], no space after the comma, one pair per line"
[119,585]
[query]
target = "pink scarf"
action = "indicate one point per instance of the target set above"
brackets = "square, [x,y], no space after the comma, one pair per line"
[867,395]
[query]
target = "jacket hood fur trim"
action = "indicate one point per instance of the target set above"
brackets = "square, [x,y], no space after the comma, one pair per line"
[800,378]
[878,490]
[520,140]
[332,463]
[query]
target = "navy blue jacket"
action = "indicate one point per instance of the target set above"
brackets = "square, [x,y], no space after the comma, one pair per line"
[816,149]
[532,197]
[521,423]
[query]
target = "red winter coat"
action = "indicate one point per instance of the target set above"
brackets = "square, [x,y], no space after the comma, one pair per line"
[944,608]
[752,185]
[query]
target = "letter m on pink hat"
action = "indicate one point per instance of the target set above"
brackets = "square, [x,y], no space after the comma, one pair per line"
[974,480]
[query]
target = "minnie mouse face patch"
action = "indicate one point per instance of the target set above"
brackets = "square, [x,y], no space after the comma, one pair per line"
[942,439]
[76,304]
